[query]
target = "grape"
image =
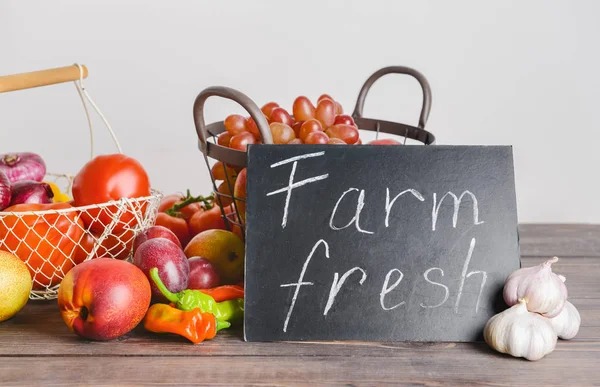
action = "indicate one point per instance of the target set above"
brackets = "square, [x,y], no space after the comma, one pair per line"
[224,139]
[324,96]
[241,141]
[281,115]
[316,138]
[346,133]
[226,196]
[296,141]
[336,141]
[220,171]
[325,112]
[338,108]
[386,141]
[303,109]
[344,119]
[235,124]
[268,108]
[309,126]
[282,133]
[297,125]
[252,128]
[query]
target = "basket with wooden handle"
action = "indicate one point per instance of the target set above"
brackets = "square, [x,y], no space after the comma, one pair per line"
[235,160]
[52,241]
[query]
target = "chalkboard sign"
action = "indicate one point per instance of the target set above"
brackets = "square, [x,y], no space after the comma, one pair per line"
[402,243]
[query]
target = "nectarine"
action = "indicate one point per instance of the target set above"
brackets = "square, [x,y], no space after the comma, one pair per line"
[104,298]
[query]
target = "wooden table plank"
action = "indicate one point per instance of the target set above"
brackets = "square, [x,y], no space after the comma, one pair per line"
[37,348]
[573,240]
[46,334]
[56,340]
[475,366]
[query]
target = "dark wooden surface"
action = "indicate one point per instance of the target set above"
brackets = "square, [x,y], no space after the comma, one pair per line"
[36,348]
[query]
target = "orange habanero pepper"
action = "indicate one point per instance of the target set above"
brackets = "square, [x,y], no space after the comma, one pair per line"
[193,325]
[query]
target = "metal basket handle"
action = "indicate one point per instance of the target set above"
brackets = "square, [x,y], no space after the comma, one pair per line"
[360,101]
[236,96]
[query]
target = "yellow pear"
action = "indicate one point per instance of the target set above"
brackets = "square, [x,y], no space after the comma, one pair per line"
[15,285]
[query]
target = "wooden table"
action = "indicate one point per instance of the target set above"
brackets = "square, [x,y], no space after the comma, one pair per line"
[37,348]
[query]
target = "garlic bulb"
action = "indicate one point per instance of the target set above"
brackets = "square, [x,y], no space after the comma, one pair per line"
[520,333]
[544,291]
[566,324]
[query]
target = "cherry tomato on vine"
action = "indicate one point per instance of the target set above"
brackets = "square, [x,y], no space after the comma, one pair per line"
[186,212]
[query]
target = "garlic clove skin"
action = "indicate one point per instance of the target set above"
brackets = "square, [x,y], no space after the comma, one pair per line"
[544,291]
[520,333]
[566,324]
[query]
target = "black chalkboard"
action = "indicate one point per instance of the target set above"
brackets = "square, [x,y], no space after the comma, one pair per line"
[424,259]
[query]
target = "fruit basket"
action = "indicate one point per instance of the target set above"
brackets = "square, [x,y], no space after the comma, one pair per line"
[61,235]
[232,161]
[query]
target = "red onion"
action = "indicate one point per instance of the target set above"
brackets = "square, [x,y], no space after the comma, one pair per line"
[31,192]
[5,191]
[22,166]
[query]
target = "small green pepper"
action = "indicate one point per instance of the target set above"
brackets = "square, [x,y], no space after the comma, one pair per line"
[230,310]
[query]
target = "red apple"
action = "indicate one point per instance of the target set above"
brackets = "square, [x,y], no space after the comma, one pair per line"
[169,259]
[202,274]
[387,141]
[155,232]
[104,298]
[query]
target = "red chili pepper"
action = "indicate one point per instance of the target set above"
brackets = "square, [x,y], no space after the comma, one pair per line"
[225,292]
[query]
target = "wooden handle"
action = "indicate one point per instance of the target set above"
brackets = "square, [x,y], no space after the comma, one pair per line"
[40,78]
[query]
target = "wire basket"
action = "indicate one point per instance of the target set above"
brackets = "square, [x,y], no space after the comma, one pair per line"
[53,241]
[234,161]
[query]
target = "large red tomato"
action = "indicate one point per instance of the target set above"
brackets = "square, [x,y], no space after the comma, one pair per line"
[106,178]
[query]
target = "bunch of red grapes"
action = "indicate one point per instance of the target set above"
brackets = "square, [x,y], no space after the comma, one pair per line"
[323,124]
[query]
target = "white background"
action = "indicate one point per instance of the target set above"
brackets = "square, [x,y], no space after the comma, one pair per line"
[523,73]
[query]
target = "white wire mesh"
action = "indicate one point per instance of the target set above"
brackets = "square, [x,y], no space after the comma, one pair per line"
[52,242]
